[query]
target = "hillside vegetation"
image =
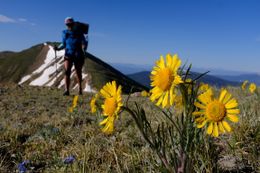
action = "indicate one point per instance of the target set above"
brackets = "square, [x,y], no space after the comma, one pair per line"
[101,73]
[13,65]
[36,126]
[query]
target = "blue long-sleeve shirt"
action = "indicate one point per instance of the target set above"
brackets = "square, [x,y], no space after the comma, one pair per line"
[72,42]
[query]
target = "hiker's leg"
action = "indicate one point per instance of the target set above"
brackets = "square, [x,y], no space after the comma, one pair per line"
[78,67]
[67,66]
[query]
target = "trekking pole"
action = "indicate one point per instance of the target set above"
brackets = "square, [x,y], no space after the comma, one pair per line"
[56,61]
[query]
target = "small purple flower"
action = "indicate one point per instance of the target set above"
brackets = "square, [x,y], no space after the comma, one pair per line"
[69,160]
[21,166]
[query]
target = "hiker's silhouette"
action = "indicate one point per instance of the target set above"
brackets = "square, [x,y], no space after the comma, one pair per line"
[75,44]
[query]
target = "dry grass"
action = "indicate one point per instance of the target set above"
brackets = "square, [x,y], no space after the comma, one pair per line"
[35,125]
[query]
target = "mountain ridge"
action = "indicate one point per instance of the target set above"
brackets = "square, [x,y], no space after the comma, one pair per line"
[231,76]
[39,66]
[251,77]
[144,78]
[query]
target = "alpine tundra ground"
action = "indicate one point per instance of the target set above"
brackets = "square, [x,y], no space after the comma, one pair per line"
[36,127]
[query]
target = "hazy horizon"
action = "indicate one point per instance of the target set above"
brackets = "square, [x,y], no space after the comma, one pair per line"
[146,66]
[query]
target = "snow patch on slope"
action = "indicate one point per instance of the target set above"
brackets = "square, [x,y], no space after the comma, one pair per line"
[47,69]
[87,86]
[25,78]
[47,74]
[50,58]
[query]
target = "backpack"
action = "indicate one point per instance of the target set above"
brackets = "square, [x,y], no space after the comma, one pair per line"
[81,28]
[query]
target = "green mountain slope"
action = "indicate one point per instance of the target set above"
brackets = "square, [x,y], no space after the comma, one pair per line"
[102,72]
[13,65]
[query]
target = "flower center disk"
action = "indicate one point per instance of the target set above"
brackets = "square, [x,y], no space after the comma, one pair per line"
[164,79]
[216,111]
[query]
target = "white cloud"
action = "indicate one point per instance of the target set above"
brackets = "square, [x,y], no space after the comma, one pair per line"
[22,20]
[5,19]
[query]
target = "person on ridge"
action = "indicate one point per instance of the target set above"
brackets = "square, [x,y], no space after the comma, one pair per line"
[75,46]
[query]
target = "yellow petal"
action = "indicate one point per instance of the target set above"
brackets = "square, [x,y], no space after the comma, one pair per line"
[174,60]
[233,118]
[155,96]
[206,97]
[210,128]
[215,130]
[169,60]
[231,104]
[221,128]
[177,61]
[244,84]
[233,111]
[165,100]
[109,125]
[202,124]
[119,90]
[153,72]
[161,63]
[160,101]
[222,95]
[198,113]
[108,129]
[199,120]
[177,80]
[104,93]
[197,104]
[226,126]
[75,101]
[71,109]
[172,97]
[103,122]
[226,98]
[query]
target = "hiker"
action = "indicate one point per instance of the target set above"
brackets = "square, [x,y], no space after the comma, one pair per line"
[75,46]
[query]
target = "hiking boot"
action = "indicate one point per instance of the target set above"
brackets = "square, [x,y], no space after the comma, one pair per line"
[66,93]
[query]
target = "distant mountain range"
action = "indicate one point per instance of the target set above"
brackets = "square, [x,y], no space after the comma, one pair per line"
[39,66]
[131,68]
[240,78]
[144,78]
[224,76]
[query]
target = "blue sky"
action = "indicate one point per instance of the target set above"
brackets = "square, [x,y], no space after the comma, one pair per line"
[223,34]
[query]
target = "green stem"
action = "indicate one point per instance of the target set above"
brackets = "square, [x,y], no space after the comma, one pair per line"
[161,156]
[165,163]
[175,125]
[138,125]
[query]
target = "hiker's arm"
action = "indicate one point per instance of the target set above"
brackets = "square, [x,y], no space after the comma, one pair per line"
[63,43]
[61,46]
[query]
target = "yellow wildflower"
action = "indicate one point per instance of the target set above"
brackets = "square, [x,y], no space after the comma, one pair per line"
[243,86]
[74,103]
[164,79]
[111,106]
[93,105]
[214,112]
[252,87]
